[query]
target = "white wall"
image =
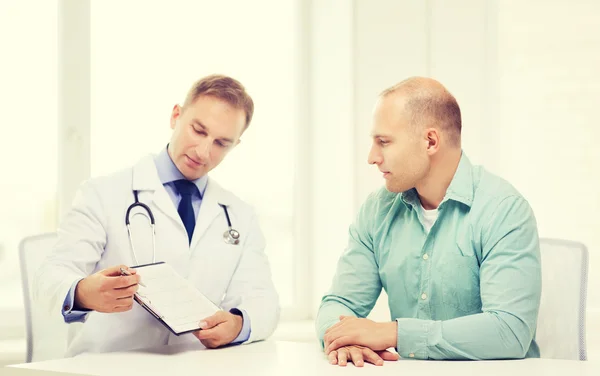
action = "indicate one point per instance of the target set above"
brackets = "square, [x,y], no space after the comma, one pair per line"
[331,92]
[526,76]
[549,92]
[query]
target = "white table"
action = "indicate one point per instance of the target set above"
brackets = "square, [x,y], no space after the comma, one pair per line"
[291,358]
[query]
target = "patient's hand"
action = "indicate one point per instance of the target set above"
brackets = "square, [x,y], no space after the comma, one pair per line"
[363,332]
[359,355]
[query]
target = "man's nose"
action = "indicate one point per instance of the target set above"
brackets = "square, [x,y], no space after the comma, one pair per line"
[374,157]
[203,150]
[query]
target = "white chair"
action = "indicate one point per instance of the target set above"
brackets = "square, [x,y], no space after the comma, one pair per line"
[46,332]
[561,321]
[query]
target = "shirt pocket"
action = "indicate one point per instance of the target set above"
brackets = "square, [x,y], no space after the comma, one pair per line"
[460,280]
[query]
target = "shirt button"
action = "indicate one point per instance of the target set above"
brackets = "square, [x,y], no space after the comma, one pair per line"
[425,256]
[411,355]
[423,296]
[66,308]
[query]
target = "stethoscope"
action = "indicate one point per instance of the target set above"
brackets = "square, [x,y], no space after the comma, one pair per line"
[230,236]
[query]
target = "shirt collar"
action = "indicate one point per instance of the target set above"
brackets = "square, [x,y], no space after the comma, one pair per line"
[168,172]
[460,188]
[410,198]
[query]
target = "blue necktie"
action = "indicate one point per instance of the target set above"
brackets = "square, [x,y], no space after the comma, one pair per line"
[186,211]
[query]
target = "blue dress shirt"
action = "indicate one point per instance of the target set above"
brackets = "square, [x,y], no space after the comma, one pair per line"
[168,174]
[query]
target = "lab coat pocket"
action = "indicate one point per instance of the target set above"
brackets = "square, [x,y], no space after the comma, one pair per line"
[460,280]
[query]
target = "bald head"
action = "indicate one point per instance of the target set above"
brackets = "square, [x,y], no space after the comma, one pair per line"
[429,105]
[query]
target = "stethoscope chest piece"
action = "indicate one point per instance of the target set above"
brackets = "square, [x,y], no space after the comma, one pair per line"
[231,236]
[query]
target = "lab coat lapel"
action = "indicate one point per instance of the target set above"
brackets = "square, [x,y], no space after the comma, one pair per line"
[209,210]
[145,178]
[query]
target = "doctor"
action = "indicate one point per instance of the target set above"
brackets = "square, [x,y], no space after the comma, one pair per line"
[206,233]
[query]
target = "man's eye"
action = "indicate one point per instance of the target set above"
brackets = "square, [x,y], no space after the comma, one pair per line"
[199,131]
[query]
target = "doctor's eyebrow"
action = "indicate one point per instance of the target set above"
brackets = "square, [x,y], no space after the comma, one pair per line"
[223,139]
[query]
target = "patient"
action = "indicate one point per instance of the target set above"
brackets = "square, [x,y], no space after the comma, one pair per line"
[455,247]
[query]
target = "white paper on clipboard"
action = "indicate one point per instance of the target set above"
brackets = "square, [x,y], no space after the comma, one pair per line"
[172,299]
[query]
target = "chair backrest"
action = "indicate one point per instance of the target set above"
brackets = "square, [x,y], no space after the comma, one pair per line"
[561,321]
[46,333]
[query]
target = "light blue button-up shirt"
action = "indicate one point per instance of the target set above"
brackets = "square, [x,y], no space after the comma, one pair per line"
[168,173]
[468,289]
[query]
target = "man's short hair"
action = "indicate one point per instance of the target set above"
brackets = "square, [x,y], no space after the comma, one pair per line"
[430,105]
[225,88]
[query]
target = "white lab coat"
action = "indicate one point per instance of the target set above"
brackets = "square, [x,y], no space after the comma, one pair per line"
[93,237]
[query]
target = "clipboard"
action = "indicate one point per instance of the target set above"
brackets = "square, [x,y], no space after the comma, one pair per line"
[171,299]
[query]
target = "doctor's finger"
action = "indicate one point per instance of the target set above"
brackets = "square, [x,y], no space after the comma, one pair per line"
[122,296]
[123,308]
[124,301]
[115,271]
[214,320]
[213,333]
[123,281]
[211,343]
[127,291]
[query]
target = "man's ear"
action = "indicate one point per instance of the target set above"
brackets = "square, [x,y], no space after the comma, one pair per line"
[234,144]
[433,140]
[175,114]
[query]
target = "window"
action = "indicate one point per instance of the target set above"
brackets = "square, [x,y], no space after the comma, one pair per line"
[138,74]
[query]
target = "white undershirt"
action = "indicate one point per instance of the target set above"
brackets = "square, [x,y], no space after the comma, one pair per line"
[429,217]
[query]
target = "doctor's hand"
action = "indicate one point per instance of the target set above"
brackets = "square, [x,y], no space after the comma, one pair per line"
[363,332]
[219,329]
[359,355]
[107,290]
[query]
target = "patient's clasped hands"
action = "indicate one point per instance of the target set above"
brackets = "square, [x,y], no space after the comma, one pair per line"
[359,340]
